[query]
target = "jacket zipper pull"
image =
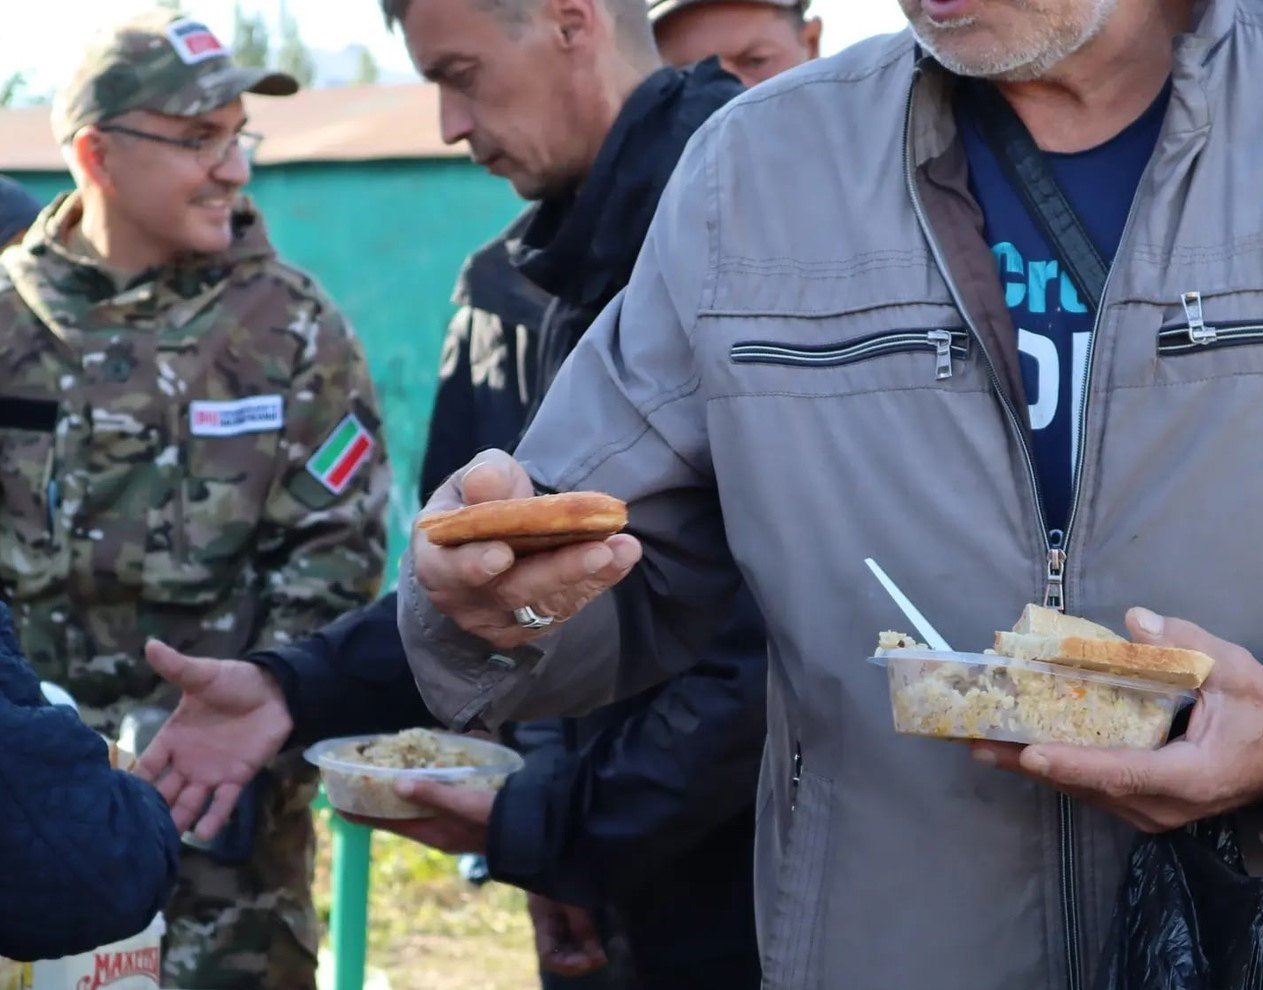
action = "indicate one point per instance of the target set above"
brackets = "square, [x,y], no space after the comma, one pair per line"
[1198,331]
[942,341]
[1053,586]
[798,775]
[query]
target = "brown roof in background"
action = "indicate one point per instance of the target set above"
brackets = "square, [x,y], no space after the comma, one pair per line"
[344,123]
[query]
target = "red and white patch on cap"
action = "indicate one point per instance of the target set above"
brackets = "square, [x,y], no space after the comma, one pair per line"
[193,41]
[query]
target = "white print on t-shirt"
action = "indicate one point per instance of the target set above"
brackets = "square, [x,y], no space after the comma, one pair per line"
[1043,351]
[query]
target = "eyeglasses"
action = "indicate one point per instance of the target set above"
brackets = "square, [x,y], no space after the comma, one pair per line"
[210,152]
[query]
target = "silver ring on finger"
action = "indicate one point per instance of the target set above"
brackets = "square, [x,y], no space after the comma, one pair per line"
[528,618]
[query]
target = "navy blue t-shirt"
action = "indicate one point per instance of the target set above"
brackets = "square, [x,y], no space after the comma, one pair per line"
[1053,325]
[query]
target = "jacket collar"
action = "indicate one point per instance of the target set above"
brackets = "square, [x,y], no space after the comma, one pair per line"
[581,246]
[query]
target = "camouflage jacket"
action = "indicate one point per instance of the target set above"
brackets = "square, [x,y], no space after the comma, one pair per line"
[197,457]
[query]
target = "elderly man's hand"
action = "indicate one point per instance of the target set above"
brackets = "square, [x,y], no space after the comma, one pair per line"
[1215,767]
[480,584]
[459,823]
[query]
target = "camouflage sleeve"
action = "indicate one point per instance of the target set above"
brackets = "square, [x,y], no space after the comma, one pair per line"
[324,540]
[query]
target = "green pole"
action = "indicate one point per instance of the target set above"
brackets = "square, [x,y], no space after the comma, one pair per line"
[348,915]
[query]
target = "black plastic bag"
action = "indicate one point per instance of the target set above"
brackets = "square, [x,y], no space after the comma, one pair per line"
[1188,917]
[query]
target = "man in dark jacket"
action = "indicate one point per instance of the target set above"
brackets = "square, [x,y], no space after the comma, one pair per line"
[482,402]
[695,913]
[635,806]
[88,854]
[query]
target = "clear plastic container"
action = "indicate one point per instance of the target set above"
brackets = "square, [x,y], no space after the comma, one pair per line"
[362,788]
[981,696]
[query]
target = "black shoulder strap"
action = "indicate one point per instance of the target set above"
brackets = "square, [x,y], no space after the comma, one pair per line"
[1027,169]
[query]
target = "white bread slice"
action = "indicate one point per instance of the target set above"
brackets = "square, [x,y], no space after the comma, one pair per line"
[1040,621]
[1168,665]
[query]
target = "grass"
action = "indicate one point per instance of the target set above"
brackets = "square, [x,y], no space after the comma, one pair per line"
[429,929]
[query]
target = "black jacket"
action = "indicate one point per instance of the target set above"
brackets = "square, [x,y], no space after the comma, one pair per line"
[488,366]
[581,248]
[647,804]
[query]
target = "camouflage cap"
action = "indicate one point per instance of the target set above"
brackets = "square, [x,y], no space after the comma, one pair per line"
[159,61]
[658,9]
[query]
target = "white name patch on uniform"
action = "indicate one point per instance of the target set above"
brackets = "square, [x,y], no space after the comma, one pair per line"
[260,414]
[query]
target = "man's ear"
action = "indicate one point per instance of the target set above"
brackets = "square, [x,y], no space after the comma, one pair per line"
[810,36]
[91,155]
[573,20]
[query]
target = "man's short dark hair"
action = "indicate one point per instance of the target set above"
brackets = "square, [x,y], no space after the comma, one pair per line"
[631,19]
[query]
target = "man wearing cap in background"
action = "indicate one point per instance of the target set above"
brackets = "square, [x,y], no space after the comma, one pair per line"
[190,450]
[753,39]
[694,919]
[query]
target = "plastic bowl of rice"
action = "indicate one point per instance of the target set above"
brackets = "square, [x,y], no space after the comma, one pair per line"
[360,772]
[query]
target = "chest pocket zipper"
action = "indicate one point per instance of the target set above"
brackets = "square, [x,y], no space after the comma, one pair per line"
[945,345]
[1197,335]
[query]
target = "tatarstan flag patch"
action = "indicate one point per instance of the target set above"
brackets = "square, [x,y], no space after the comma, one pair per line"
[342,455]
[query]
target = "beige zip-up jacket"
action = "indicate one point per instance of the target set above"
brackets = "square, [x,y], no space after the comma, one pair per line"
[734,396]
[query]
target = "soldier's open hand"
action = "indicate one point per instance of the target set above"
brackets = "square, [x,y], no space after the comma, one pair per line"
[232,720]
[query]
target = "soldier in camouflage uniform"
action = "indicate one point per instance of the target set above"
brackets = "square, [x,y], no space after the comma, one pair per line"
[189,450]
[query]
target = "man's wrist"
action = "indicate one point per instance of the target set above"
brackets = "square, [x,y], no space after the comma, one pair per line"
[281,683]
